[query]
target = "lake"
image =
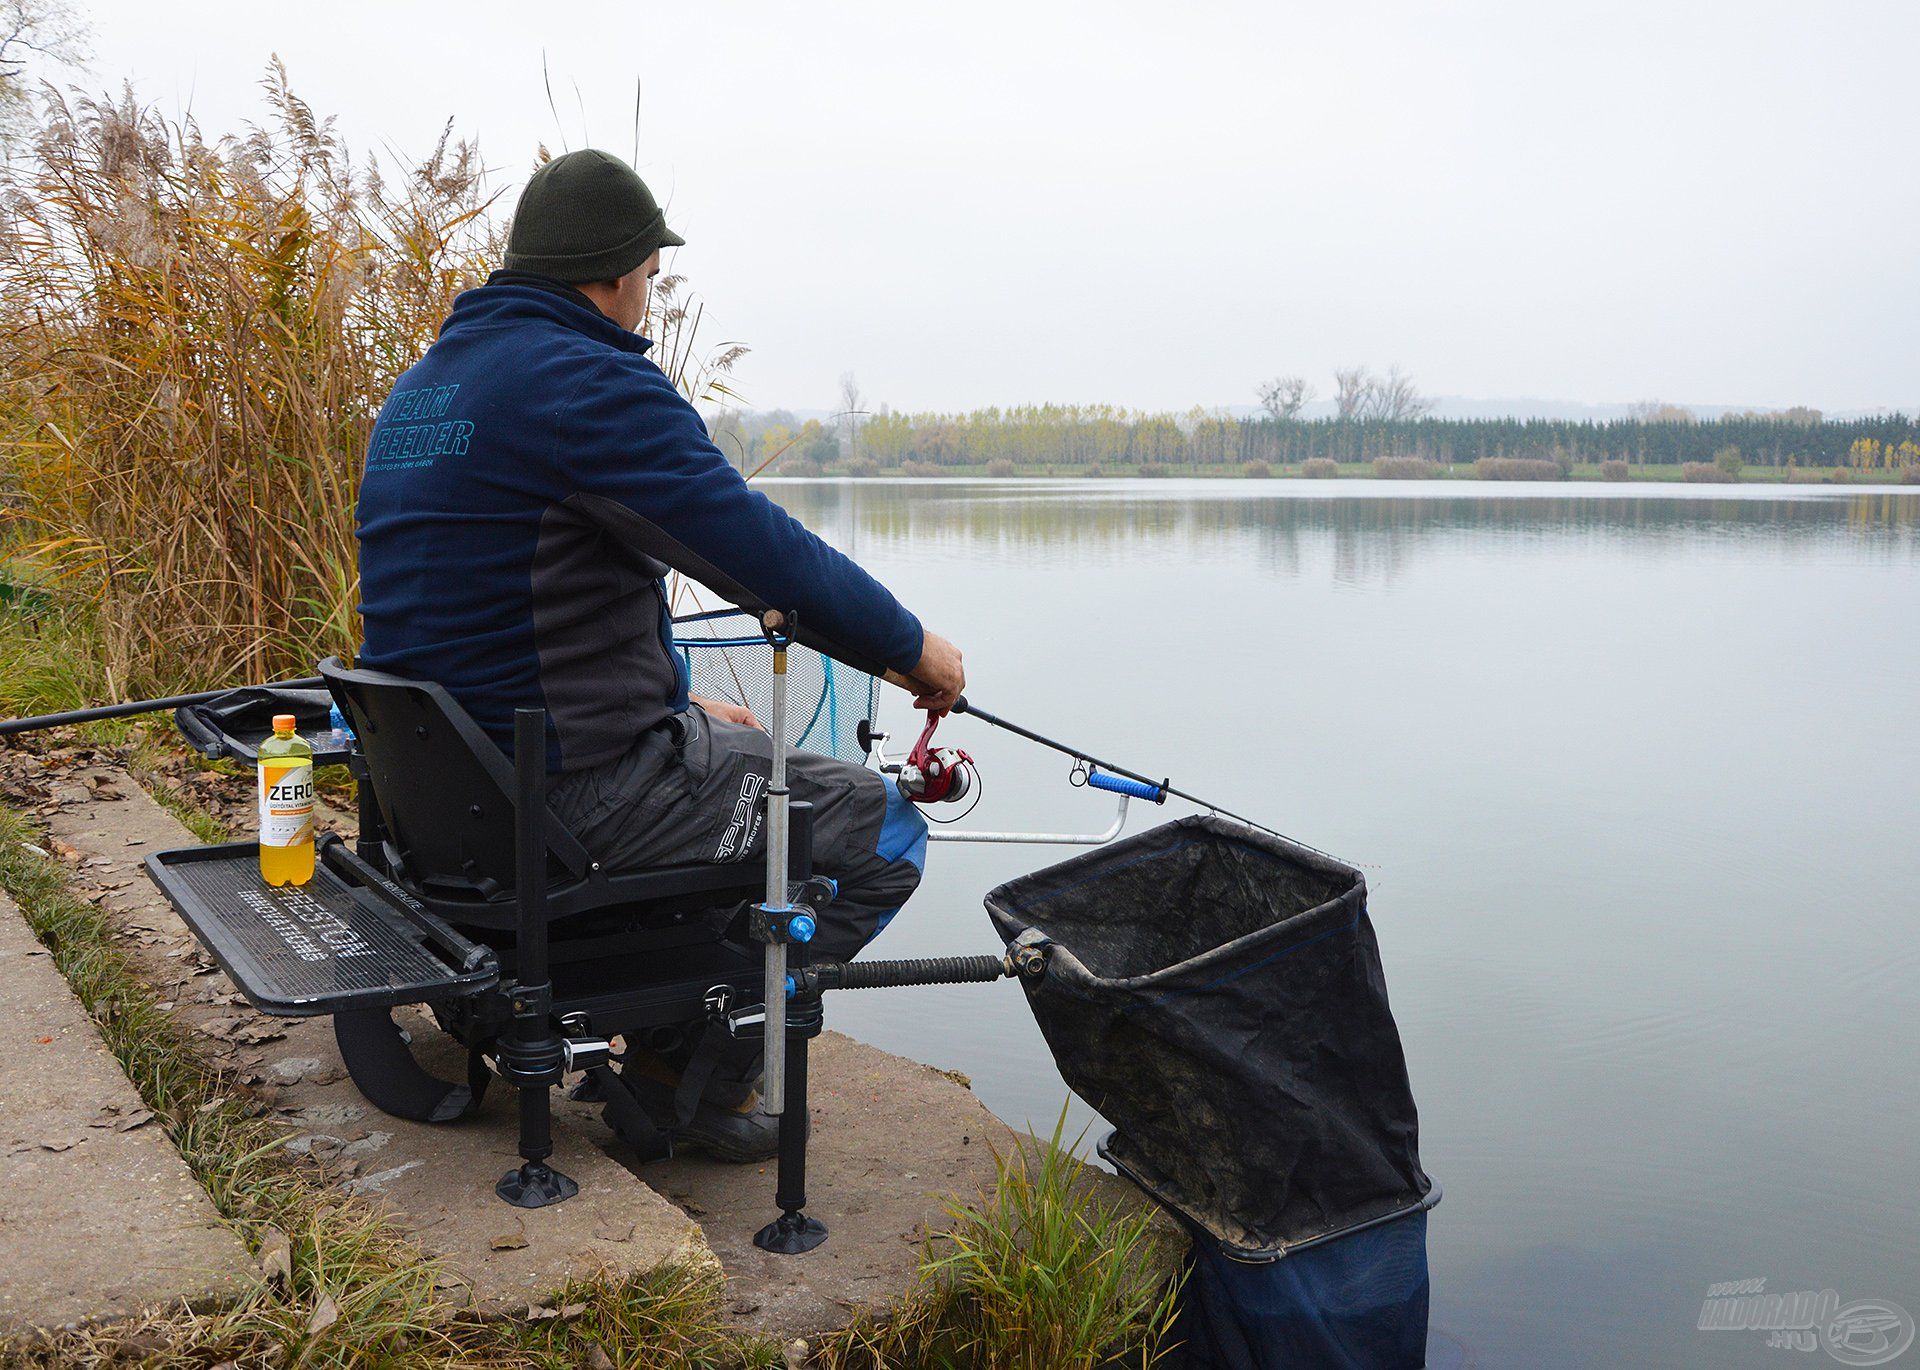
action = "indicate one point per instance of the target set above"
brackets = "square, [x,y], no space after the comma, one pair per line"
[1634,776]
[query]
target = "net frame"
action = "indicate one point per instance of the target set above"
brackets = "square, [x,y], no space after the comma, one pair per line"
[726,657]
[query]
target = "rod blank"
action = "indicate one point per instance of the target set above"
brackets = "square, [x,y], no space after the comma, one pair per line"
[11,726]
[963,706]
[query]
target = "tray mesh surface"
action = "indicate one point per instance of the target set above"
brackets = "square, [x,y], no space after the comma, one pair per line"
[303,950]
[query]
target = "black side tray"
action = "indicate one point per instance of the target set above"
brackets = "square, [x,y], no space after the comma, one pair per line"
[319,948]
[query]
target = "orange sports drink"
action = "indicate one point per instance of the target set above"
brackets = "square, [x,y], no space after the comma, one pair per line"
[286,806]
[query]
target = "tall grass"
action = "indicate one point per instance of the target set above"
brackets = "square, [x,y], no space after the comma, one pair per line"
[1036,1275]
[195,338]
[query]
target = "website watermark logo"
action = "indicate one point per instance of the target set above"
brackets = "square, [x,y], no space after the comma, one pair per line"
[1864,1332]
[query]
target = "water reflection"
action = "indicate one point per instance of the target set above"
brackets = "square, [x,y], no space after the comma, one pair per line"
[1630,773]
[1373,534]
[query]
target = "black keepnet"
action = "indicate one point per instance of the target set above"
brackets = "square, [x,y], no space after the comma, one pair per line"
[1216,993]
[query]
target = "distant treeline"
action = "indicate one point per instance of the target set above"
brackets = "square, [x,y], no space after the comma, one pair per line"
[1083,436]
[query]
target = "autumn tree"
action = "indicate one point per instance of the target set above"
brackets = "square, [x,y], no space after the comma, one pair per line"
[1285,396]
[1659,411]
[1351,387]
[1395,399]
[852,410]
[43,30]
[1392,398]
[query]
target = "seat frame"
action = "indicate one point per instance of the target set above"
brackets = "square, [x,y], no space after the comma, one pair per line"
[584,954]
[549,957]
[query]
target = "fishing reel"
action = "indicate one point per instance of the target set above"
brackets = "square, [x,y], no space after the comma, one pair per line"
[936,775]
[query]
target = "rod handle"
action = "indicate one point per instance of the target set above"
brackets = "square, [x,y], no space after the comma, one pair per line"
[908,683]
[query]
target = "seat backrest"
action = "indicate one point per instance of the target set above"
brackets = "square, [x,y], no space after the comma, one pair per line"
[444,789]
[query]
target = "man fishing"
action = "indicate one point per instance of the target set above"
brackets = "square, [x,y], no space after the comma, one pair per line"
[529,484]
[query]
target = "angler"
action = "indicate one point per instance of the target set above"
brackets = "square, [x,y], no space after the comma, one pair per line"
[530,482]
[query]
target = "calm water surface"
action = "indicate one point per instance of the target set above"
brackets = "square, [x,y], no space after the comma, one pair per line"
[1633,778]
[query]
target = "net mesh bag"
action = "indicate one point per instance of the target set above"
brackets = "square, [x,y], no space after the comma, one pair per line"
[726,657]
[1216,992]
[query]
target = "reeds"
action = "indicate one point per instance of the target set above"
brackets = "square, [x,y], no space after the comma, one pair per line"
[1517,468]
[1405,468]
[195,339]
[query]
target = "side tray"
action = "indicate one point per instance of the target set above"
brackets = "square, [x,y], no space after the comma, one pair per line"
[328,946]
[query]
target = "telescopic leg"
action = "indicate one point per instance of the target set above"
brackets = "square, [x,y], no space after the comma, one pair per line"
[793,1231]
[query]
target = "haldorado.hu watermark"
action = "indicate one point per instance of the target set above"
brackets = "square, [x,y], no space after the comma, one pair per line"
[1864,1332]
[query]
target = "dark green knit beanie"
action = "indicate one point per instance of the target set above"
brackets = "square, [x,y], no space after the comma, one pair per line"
[586,216]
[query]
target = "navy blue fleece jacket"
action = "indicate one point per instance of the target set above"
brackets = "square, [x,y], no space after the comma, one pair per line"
[528,484]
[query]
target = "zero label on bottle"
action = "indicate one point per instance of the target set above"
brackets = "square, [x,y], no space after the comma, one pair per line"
[286,803]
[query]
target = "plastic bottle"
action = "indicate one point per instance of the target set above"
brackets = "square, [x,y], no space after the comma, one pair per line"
[342,734]
[285,789]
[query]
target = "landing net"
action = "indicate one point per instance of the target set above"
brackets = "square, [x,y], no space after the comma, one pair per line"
[727,658]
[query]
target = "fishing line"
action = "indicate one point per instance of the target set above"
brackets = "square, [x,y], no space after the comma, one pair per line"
[1162,787]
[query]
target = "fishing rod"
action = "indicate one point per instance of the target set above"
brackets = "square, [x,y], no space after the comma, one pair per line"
[1142,787]
[11,726]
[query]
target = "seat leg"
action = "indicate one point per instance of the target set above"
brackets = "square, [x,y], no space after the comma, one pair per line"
[793,1232]
[535,1184]
[532,1057]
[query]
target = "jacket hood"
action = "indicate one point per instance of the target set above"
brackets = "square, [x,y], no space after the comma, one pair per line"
[505,303]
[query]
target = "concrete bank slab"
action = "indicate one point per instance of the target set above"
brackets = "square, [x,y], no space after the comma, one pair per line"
[437,1182]
[892,1139]
[99,1216]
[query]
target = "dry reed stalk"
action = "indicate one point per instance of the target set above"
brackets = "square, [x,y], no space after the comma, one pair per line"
[195,338]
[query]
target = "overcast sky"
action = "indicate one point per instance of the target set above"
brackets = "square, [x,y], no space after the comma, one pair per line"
[1158,205]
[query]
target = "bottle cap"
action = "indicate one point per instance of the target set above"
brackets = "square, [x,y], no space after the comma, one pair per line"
[283,723]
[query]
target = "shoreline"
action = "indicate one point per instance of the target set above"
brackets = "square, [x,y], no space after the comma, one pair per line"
[1460,474]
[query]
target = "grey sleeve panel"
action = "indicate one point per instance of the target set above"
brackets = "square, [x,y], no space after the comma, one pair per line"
[605,673]
[648,538]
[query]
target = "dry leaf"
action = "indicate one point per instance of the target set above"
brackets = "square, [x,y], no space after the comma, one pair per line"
[276,1258]
[597,1360]
[508,1241]
[325,1314]
[614,1232]
[139,1118]
[56,1144]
